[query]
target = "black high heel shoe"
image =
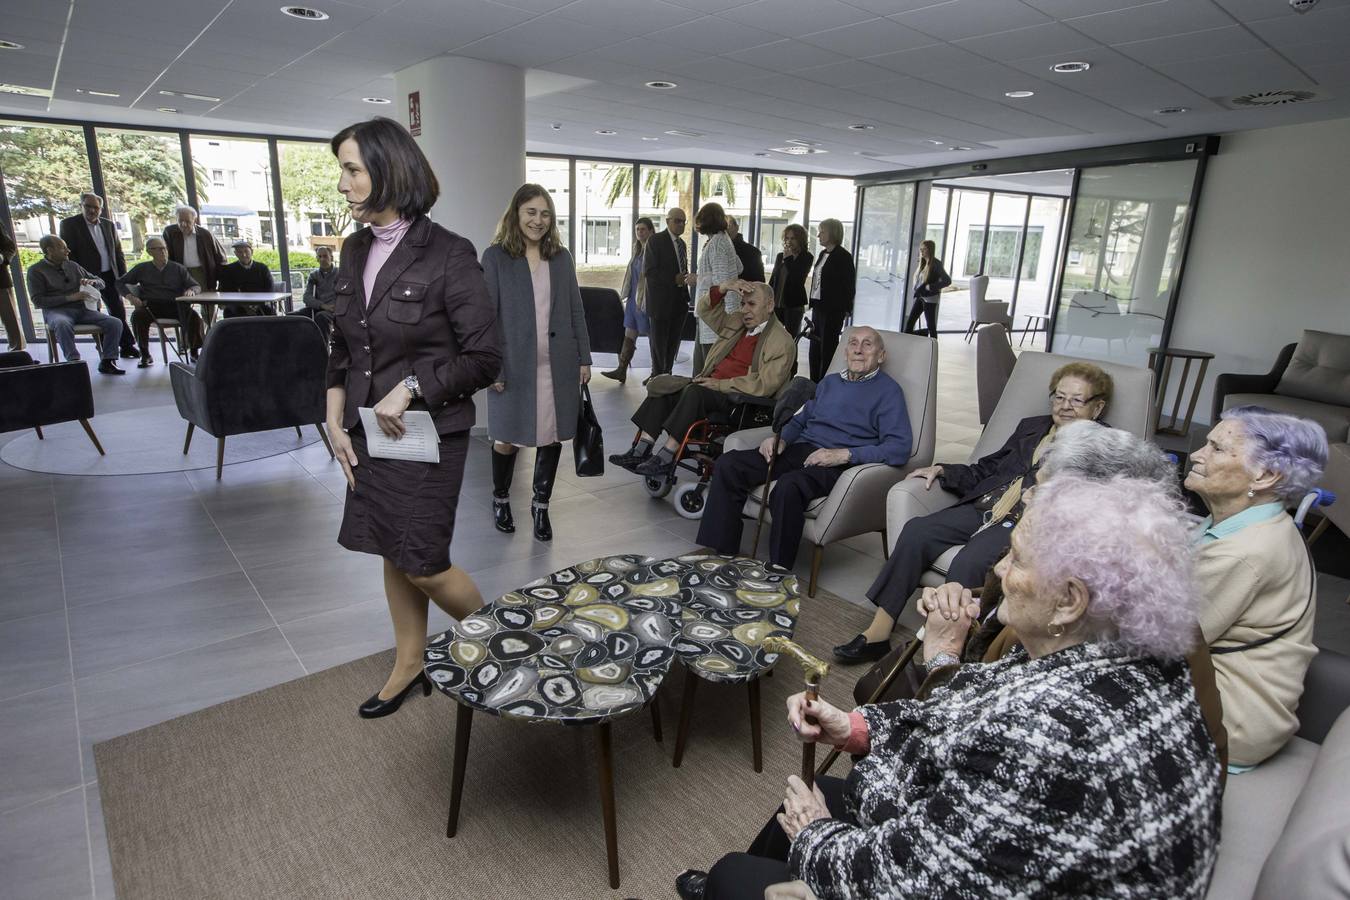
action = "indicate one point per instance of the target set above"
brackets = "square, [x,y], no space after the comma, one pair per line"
[374,708]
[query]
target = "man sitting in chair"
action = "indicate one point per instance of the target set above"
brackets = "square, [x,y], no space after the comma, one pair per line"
[858,416]
[753,356]
[153,287]
[246,276]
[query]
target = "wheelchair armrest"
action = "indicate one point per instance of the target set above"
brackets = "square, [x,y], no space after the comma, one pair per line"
[908,499]
[748,439]
[738,397]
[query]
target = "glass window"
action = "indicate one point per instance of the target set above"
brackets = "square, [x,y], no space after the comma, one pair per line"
[143,176]
[316,214]
[1004,246]
[781,203]
[46,169]
[939,201]
[246,210]
[1124,237]
[834,198]
[964,257]
[1038,260]
[553,175]
[660,189]
[605,207]
[731,190]
[883,255]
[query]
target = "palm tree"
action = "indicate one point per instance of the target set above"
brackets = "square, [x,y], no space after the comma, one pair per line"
[659,184]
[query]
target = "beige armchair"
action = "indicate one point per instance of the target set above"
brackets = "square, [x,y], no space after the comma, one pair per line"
[994,361]
[1024,395]
[985,312]
[853,507]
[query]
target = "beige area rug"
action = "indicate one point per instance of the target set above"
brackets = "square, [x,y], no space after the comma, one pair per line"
[286,793]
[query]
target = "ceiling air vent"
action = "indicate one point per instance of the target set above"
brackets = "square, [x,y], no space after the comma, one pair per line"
[1266,99]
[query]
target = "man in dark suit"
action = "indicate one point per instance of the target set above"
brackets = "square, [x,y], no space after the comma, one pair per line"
[248,276]
[665,265]
[196,248]
[752,261]
[93,244]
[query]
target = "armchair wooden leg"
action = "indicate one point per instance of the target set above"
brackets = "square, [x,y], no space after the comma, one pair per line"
[187,441]
[686,710]
[220,456]
[323,436]
[89,430]
[656,720]
[38,429]
[885,544]
[463,723]
[756,744]
[163,346]
[817,557]
[607,802]
[299,433]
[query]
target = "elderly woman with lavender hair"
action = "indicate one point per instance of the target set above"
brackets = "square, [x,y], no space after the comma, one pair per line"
[1077,765]
[1256,579]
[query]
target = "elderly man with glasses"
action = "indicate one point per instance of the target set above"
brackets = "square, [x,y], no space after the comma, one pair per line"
[154,287]
[989,504]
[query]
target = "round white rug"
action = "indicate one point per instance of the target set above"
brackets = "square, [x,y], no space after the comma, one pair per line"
[141,442]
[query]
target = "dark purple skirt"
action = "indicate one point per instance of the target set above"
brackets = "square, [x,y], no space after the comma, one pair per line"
[405,511]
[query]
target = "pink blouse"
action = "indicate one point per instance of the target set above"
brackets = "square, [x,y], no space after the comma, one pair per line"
[387,238]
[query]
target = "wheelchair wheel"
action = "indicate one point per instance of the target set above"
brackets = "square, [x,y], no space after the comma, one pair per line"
[657,487]
[689,500]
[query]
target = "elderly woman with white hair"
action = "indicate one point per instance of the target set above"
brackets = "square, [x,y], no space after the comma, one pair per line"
[1257,582]
[1077,765]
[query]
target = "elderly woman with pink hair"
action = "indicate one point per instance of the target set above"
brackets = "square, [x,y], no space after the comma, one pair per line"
[1077,765]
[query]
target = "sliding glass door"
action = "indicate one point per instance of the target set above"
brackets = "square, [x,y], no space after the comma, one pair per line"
[883,255]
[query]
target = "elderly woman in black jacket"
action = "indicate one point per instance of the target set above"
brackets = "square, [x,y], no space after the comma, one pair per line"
[1076,766]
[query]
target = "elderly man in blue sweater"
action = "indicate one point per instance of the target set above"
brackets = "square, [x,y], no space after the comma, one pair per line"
[858,416]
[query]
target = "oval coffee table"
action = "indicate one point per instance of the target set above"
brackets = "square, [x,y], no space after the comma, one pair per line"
[581,646]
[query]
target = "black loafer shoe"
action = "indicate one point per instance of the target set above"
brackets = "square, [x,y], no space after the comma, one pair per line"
[859,650]
[131,353]
[108,367]
[654,467]
[145,363]
[691,884]
[631,459]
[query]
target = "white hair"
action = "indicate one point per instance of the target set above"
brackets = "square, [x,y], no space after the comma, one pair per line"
[182,208]
[90,195]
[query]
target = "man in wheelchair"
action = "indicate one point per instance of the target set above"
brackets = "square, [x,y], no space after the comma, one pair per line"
[753,358]
[858,416]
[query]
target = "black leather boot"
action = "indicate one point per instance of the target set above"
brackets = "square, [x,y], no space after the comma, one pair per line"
[545,468]
[503,467]
[620,374]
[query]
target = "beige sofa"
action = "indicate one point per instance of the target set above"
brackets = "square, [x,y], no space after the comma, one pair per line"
[1309,379]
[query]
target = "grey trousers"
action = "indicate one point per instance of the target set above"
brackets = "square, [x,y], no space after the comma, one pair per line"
[61,321]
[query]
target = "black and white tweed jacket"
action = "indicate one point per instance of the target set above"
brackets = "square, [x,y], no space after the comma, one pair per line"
[1085,773]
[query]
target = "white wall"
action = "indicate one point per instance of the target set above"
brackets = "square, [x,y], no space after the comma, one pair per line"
[1270,255]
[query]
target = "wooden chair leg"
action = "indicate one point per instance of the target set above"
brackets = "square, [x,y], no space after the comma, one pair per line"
[1316,532]
[187,441]
[51,346]
[686,710]
[299,433]
[38,429]
[163,344]
[89,430]
[220,456]
[463,724]
[607,802]
[323,436]
[756,745]
[817,557]
[885,544]
[656,720]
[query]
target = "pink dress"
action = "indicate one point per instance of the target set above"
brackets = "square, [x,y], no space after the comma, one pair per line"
[546,413]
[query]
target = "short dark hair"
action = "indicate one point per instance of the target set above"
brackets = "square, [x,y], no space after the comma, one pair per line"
[711,219]
[400,176]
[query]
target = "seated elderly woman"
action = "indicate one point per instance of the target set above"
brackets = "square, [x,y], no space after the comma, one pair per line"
[989,503]
[1257,582]
[1078,765]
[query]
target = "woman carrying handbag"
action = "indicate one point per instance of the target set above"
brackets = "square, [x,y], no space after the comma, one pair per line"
[928,285]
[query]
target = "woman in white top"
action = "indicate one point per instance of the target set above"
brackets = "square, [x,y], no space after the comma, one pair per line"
[717,262]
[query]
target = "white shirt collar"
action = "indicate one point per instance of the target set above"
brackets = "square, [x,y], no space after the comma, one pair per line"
[758,328]
[868,377]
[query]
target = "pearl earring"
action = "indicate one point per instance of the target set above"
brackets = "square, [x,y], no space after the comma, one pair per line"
[1251,493]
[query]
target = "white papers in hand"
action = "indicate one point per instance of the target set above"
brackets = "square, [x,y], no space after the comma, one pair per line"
[420,443]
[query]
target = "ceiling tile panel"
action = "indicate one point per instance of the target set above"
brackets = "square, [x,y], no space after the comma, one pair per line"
[632,17]
[25,29]
[958,19]
[541,41]
[712,35]
[929,61]
[1155,20]
[1063,9]
[1237,73]
[794,18]
[847,73]
[644,52]
[1038,40]
[1319,25]
[787,56]
[891,7]
[1252,10]
[1192,46]
[869,38]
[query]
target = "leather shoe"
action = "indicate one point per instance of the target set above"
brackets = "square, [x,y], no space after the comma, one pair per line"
[654,466]
[691,884]
[131,353]
[374,708]
[145,363]
[859,650]
[631,459]
[108,367]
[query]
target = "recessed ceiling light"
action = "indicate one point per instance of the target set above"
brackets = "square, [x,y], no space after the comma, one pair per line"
[963,148]
[933,142]
[10,45]
[861,126]
[651,139]
[1172,110]
[96,93]
[761,154]
[166,109]
[376,100]
[662,85]
[189,96]
[305,13]
[798,150]
[1068,68]
[605,131]
[679,132]
[25,90]
[1019,95]
[798,142]
[556,126]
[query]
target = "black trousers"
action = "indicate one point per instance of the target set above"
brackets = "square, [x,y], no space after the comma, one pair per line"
[112,301]
[320,317]
[674,413]
[929,310]
[664,338]
[143,317]
[234,310]
[745,876]
[738,472]
[828,325]
[925,539]
[791,317]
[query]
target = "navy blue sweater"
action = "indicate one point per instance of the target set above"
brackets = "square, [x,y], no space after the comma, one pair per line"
[867,417]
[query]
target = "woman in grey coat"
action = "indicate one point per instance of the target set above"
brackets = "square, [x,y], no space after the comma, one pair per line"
[546,354]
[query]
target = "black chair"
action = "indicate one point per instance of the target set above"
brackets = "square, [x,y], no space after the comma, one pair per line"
[32,396]
[256,373]
[604,319]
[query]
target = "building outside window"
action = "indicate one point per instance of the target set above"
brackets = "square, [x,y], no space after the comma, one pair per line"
[553,175]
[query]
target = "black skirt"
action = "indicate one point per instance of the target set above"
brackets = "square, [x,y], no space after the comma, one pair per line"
[405,511]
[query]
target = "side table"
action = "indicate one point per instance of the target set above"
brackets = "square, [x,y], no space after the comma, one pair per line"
[1160,395]
[1036,318]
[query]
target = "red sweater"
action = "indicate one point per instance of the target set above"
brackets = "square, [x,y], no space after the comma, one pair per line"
[737,362]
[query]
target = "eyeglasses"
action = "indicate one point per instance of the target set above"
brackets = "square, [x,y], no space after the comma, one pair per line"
[1058,399]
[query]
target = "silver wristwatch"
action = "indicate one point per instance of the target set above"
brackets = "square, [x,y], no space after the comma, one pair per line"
[414,387]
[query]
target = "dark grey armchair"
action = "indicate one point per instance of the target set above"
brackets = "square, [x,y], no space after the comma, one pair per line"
[604,319]
[256,373]
[32,396]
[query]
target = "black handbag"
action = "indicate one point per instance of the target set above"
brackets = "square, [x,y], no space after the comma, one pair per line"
[588,445]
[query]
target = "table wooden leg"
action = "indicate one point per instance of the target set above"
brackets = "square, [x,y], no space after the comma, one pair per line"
[1181,389]
[1195,397]
[607,802]
[463,724]
[656,720]
[756,744]
[686,709]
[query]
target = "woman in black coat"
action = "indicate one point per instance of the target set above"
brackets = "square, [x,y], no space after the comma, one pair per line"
[831,295]
[413,328]
[789,279]
[928,285]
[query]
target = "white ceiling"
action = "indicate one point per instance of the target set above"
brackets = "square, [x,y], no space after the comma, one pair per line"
[751,73]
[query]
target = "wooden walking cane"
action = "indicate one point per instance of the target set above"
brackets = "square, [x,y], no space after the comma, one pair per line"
[813,669]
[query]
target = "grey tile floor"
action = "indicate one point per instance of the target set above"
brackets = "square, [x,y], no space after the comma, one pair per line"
[128,601]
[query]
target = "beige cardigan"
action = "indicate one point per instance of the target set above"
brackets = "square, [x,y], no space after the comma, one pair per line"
[1255,584]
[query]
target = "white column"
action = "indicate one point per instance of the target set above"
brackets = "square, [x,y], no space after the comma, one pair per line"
[473,132]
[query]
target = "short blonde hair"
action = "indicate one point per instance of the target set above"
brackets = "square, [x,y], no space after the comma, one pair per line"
[834,230]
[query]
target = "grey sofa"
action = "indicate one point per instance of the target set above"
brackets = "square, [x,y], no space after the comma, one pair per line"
[1309,379]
